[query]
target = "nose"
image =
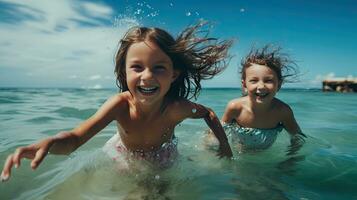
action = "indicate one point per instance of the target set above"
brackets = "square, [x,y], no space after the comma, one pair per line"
[146,75]
[261,85]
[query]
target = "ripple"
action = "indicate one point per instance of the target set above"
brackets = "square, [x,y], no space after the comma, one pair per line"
[41,119]
[75,113]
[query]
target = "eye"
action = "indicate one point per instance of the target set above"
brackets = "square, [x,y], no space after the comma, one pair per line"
[253,81]
[159,68]
[136,67]
[269,81]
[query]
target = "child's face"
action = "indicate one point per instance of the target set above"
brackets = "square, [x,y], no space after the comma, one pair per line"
[261,83]
[149,72]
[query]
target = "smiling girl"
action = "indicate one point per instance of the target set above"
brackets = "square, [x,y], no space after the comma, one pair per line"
[255,119]
[157,74]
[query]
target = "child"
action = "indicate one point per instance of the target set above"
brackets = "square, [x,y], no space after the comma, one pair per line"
[156,75]
[255,120]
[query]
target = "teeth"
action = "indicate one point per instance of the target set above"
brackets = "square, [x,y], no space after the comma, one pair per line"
[147,89]
[261,94]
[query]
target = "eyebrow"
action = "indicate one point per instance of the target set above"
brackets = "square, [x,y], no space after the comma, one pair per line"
[162,61]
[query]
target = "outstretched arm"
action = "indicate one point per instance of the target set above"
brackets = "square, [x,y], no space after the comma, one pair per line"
[63,142]
[214,124]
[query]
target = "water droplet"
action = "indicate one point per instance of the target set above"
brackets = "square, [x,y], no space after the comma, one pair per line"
[157,177]
[194,110]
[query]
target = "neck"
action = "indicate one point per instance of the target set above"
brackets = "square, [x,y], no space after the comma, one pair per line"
[259,107]
[147,111]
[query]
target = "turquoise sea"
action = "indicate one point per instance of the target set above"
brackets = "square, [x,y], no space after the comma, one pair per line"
[325,168]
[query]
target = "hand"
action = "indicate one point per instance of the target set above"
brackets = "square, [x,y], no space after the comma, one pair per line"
[296,142]
[36,152]
[225,151]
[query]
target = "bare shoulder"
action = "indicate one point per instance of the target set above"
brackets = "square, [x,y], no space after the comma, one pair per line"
[233,109]
[282,108]
[235,104]
[118,101]
[180,106]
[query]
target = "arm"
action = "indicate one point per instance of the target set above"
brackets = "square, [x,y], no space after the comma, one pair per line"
[296,136]
[67,142]
[213,123]
[63,142]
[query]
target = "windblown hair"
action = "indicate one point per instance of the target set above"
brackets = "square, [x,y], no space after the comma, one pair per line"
[272,57]
[196,58]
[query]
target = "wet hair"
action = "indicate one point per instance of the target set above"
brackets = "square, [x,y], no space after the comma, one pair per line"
[195,55]
[272,57]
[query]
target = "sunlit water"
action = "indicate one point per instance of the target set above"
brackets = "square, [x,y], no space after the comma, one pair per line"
[324,169]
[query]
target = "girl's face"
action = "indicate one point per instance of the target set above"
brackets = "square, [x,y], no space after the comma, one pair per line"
[261,83]
[149,72]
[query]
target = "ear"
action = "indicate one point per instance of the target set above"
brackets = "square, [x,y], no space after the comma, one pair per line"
[244,88]
[175,75]
[243,84]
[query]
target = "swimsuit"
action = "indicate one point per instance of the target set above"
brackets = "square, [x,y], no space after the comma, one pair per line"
[251,138]
[163,157]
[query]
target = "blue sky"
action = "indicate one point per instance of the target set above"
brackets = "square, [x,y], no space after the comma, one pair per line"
[72,43]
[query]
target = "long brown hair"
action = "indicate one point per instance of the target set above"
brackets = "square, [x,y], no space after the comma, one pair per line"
[195,57]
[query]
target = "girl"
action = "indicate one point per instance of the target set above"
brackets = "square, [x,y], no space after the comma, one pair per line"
[157,74]
[255,119]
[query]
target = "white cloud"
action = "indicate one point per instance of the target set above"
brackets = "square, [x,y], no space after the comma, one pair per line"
[95,77]
[97,86]
[320,77]
[56,39]
[98,10]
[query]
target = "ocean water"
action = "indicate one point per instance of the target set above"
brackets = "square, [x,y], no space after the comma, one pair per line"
[325,168]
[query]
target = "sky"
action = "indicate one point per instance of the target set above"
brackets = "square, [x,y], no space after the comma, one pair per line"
[72,44]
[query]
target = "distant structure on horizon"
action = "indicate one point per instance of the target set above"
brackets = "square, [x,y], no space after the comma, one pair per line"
[348,84]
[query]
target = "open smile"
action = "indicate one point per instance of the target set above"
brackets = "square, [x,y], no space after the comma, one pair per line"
[147,90]
[262,95]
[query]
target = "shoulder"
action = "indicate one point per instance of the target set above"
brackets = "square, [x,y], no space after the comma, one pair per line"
[282,108]
[118,101]
[182,108]
[235,104]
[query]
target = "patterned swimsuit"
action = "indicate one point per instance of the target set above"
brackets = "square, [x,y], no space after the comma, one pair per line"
[163,157]
[251,138]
